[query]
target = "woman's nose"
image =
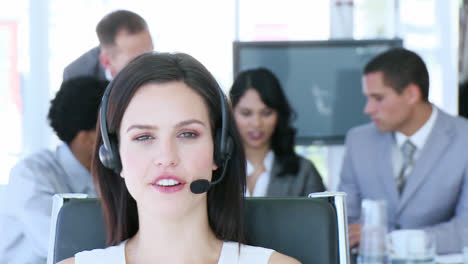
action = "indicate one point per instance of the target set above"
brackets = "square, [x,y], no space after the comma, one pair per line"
[166,154]
[256,120]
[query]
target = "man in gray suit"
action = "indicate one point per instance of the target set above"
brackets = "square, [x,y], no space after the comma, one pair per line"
[413,155]
[123,35]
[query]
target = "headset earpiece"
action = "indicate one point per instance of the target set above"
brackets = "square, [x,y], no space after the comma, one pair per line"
[108,151]
[106,157]
[223,146]
[109,158]
[222,149]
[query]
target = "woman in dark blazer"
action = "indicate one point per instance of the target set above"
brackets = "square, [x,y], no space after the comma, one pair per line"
[263,117]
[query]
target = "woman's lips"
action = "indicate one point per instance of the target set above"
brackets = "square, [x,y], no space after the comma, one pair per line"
[168,184]
[169,189]
[255,135]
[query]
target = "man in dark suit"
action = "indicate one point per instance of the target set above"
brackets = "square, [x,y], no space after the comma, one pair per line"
[413,154]
[122,35]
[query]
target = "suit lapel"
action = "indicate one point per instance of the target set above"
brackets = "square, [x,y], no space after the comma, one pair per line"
[438,140]
[276,187]
[385,168]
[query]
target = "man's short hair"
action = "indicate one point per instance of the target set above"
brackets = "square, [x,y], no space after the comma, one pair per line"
[75,107]
[401,67]
[109,26]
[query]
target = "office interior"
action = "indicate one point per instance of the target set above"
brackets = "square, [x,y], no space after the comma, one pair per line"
[39,38]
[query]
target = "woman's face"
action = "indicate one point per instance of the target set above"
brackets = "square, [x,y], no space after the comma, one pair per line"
[255,120]
[165,144]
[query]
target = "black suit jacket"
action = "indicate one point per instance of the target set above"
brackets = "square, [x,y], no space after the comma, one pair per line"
[86,65]
[307,180]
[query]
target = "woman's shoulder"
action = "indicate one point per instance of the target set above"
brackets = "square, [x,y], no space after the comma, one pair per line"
[302,162]
[307,167]
[278,258]
[68,261]
[253,254]
[113,254]
[305,163]
[231,253]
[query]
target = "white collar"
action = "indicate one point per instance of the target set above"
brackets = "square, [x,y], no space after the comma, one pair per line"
[420,137]
[267,163]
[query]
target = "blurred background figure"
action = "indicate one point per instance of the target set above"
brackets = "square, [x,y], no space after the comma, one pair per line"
[263,116]
[123,35]
[24,224]
[412,154]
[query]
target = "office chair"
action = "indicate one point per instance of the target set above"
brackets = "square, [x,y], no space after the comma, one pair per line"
[312,230]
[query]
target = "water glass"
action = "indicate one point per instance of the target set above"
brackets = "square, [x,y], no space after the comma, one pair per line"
[372,245]
[465,254]
[374,213]
[373,232]
[464,240]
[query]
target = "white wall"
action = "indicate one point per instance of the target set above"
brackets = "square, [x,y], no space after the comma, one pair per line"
[430,27]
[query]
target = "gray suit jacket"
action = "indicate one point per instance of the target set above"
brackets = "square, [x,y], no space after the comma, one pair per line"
[86,65]
[306,181]
[435,196]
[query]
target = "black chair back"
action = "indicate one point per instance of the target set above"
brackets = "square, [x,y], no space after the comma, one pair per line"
[304,228]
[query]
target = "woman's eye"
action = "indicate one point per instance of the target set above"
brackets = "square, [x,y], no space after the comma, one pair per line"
[267,112]
[245,113]
[143,138]
[188,135]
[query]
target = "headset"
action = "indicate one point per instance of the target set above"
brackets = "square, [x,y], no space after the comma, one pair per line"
[223,145]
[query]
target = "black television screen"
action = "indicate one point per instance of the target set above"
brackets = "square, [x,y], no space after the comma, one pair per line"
[322,80]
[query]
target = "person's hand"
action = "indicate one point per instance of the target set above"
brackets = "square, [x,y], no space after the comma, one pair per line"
[354,232]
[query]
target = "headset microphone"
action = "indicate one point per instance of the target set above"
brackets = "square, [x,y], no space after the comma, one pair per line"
[201,186]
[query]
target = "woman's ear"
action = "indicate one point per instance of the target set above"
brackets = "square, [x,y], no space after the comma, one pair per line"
[215,167]
[122,174]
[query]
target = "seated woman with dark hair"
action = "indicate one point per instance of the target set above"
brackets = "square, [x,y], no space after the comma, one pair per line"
[170,169]
[263,116]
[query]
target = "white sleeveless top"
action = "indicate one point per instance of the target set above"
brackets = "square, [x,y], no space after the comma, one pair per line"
[229,255]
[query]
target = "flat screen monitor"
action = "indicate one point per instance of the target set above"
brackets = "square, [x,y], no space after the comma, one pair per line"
[322,80]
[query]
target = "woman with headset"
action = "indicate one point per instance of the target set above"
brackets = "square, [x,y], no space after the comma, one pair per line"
[263,116]
[170,169]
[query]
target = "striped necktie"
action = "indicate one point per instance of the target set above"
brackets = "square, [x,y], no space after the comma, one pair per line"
[407,149]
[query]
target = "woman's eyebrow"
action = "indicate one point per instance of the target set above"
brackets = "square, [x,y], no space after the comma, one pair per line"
[140,126]
[189,122]
[178,125]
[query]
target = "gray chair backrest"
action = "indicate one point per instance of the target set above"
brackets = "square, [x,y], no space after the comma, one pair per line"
[304,228]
